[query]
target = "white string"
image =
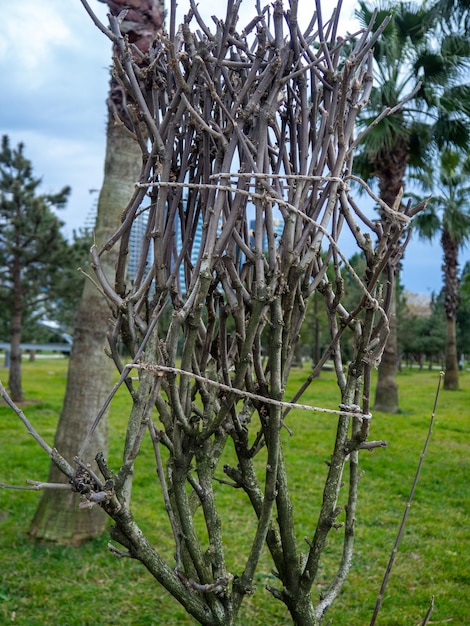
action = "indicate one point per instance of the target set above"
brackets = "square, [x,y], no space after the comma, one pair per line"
[159,370]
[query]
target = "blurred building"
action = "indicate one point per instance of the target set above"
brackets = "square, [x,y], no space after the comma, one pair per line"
[136,241]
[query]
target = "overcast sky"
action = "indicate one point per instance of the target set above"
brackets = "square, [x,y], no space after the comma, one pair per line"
[54,65]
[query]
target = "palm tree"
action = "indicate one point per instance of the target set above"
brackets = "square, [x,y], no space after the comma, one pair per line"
[90,373]
[455,13]
[435,114]
[448,213]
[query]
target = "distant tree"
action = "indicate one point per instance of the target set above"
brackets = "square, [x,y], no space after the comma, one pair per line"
[412,323]
[32,248]
[410,338]
[435,331]
[454,15]
[422,334]
[448,213]
[61,304]
[465,283]
[413,48]
[463,313]
[64,309]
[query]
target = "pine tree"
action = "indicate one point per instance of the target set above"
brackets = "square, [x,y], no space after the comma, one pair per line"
[32,248]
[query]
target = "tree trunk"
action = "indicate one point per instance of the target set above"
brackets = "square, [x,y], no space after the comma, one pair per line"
[90,373]
[390,167]
[386,393]
[14,377]
[451,378]
[450,247]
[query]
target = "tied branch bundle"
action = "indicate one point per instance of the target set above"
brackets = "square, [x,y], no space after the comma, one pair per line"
[247,137]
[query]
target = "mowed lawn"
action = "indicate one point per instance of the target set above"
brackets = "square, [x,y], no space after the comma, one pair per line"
[44,584]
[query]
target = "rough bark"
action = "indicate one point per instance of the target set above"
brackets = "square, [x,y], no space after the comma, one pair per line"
[451,302]
[390,169]
[90,373]
[451,378]
[14,376]
[386,393]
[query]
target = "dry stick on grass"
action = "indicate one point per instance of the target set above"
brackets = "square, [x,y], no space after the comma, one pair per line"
[34,485]
[427,617]
[405,516]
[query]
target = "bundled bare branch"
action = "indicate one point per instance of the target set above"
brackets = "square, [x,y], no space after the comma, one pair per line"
[247,138]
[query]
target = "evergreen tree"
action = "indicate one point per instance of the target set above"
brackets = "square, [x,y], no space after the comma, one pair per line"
[32,248]
[463,313]
[448,213]
[72,279]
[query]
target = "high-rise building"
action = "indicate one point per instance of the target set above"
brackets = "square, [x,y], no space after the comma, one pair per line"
[138,235]
[136,241]
[195,249]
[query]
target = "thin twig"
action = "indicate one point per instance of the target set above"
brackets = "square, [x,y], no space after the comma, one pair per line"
[427,617]
[371,445]
[97,22]
[154,435]
[407,508]
[123,376]
[120,554]
[34,485]
[277,200]
[92,280]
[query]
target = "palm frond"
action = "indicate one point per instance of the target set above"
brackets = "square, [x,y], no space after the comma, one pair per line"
[384,136]
[456,47]
[420,146]
[427,224]
[456,99]
[411,23]
[430,65]
[363,167]
[450,131]
[456,221]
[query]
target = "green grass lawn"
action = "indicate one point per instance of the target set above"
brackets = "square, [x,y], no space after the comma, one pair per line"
[87,586]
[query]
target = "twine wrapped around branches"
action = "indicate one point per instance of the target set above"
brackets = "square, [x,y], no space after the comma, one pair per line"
[247,140]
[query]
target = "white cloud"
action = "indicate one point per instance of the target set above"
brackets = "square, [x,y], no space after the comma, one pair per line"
[29,35]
